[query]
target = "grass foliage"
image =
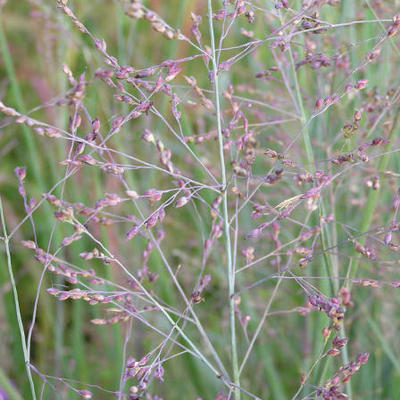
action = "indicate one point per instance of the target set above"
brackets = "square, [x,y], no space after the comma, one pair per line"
[199,199]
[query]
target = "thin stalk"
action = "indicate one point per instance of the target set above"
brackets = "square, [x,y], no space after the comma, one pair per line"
[158,305]
[307,148]
[16,93]
[30,154]
[14,347]
[306,136]
[347,14]
[325,234]
[8,387]
[61,366]
[114,352]
[16,302]
[228,247]
[385,345]
[327,243]
[372,199]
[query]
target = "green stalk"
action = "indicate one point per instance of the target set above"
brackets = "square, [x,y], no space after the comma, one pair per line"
[14,347]
[385,345]
[8,387]
[327,242]
[29,153]
[373,196]
[62,120]
[115,351]
[16,92]
[16,302]
[325,234]
[347,13]
[230,271]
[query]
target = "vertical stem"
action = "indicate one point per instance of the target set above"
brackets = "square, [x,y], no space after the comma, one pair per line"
[31,148]
[325,234]
[373,196]
[16,301]
[28,151]
[306,135]
[8,387]
[229,266]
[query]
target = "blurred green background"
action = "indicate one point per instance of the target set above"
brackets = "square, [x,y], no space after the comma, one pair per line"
[36,39]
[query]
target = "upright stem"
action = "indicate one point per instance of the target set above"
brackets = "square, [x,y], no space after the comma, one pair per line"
[372,199]
[16,301]
[325,234]
[229,266]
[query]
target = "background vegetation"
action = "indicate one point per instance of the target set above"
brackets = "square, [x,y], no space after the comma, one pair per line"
[199,204]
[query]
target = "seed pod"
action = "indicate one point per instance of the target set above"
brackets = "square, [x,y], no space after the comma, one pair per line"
[333,352]
[357,115]
[319,103]
[182,201]
[85,394]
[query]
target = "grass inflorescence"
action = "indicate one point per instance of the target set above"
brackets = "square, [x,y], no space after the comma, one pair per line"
[199,199]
